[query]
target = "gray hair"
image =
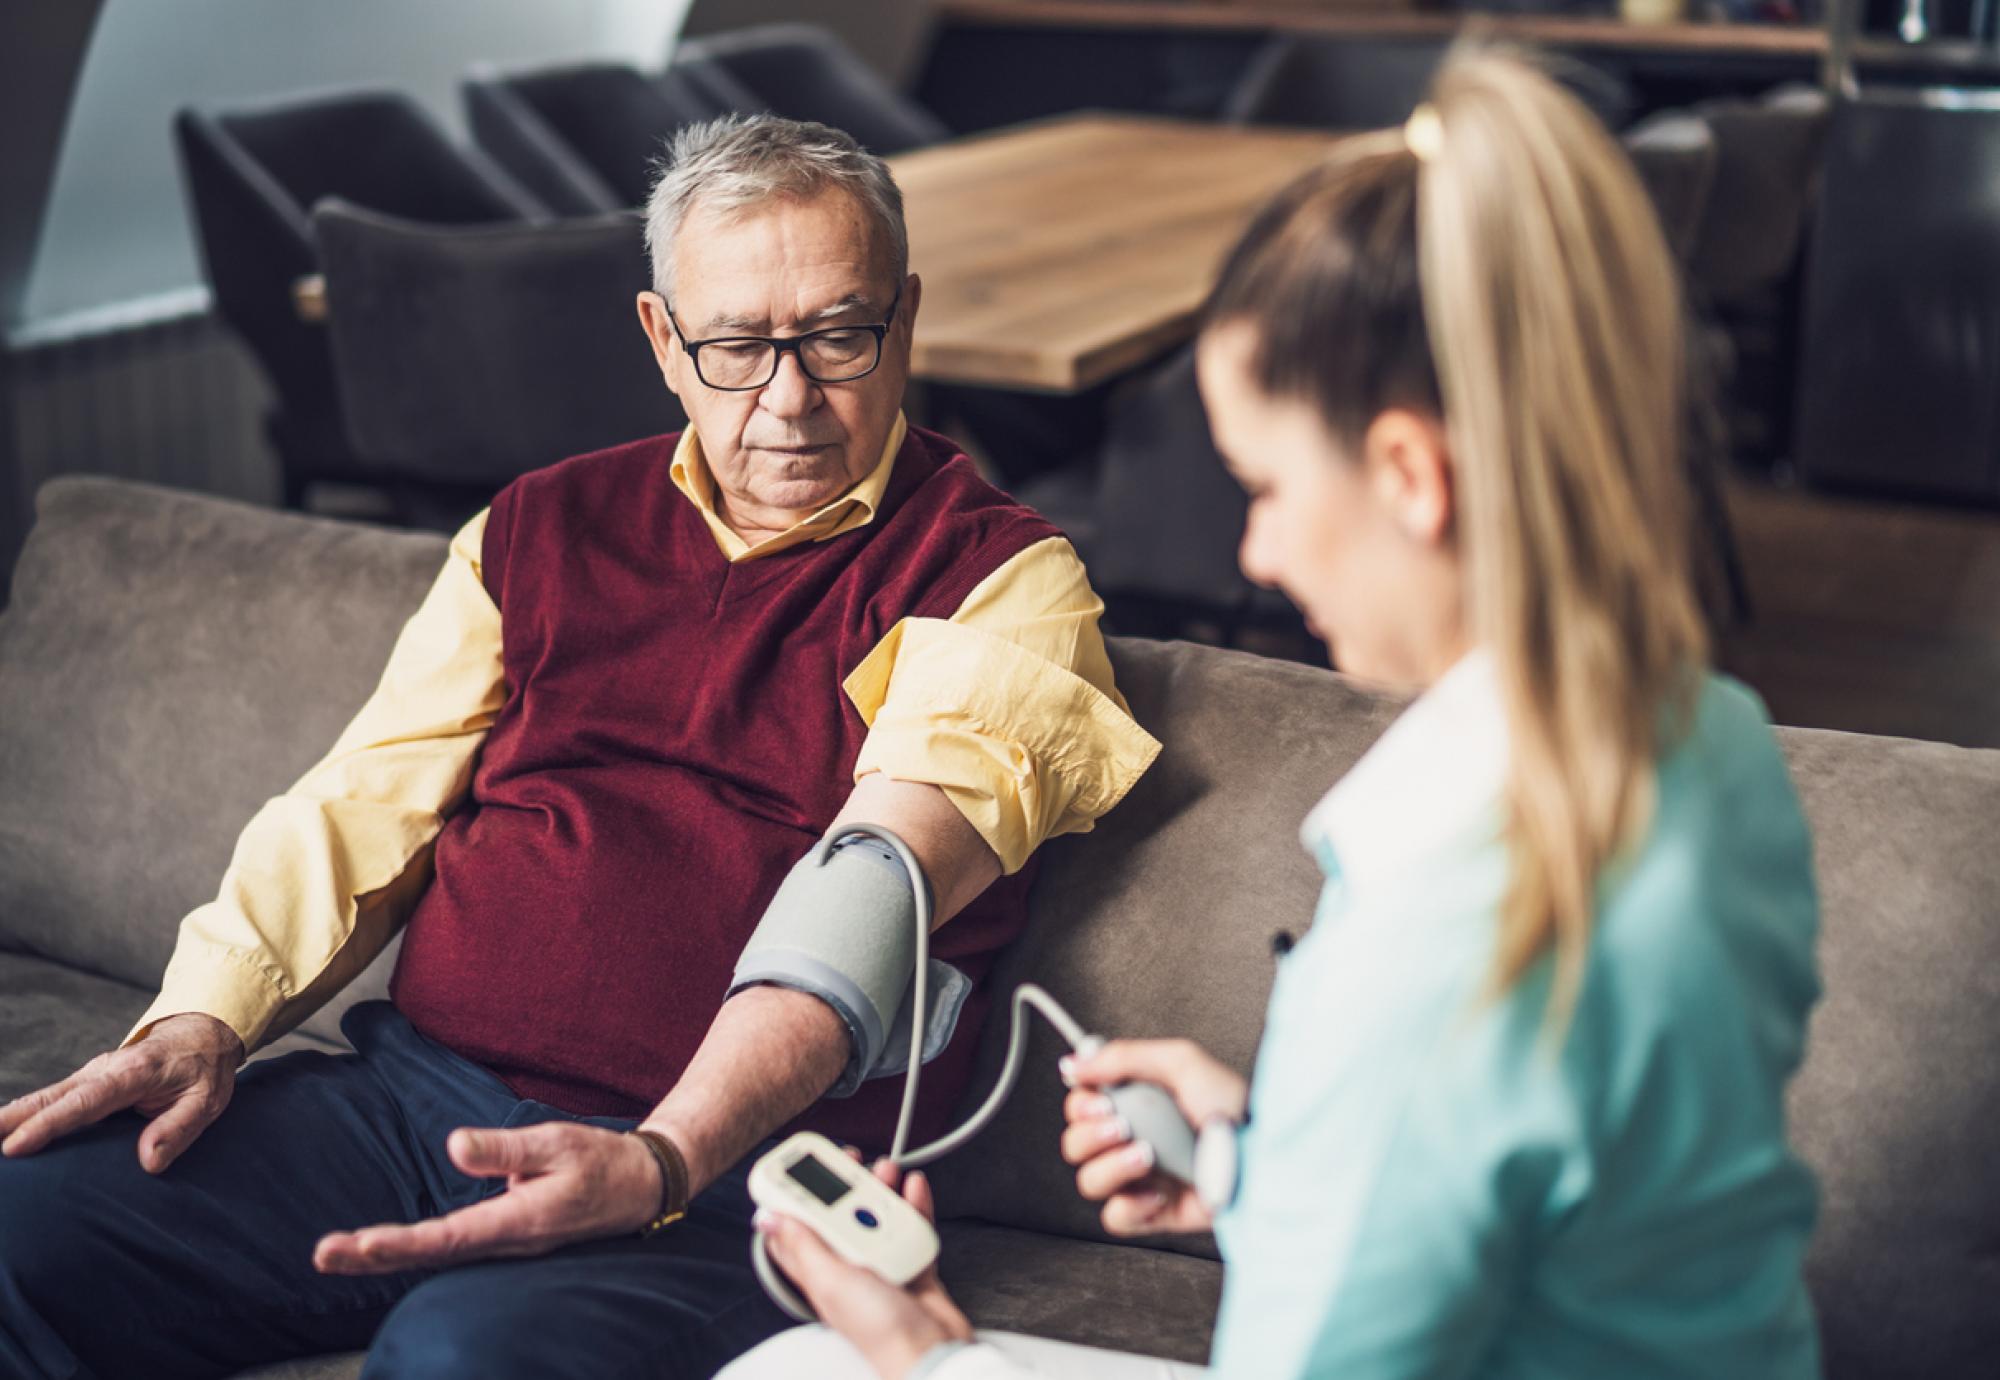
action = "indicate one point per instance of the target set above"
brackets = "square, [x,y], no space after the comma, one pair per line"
[742,160]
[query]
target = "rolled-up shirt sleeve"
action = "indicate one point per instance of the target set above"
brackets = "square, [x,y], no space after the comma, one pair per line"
[1008,706]
[323,875]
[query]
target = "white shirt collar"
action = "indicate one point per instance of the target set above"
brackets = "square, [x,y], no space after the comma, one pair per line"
[1436,775]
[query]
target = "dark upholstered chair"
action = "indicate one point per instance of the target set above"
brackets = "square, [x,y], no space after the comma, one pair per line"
[1767,161]
[1159,519]
[1335,83]
[1745,260]
[1371,83]
[1159,522]
[585,138]
[1901,363]
[253,175]
[803,72]
[1674,153]
[468,356]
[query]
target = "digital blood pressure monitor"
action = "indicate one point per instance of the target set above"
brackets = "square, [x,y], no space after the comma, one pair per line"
[859,1216]
[868,1223]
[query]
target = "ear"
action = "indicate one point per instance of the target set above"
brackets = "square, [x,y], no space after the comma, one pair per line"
[1409,471]
[906,311]
[667,352]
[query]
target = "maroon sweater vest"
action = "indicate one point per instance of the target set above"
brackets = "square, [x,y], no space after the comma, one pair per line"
[674,738]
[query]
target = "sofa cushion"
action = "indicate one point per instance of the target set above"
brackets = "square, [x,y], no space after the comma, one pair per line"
[1153,1302]
[1898,1106]
[54,1019]
[168,662]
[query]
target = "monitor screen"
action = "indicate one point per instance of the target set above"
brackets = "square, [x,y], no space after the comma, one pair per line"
[820,1181]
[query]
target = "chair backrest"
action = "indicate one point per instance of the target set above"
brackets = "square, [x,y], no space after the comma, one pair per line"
[470,355]
[252,176]
[377,149]
[1674,153]
[1767,166]
[1336,83]
[256,241]
[803,72]
[1899,373]
[584,138]
[1169,517]
[1372,83]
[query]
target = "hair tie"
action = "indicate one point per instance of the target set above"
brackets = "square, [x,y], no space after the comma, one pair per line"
[1424,133]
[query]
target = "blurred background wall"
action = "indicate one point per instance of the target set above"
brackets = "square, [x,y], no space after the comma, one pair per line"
[889,35]
[115,228]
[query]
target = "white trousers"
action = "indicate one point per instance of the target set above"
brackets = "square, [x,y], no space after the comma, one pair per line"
[822,1354]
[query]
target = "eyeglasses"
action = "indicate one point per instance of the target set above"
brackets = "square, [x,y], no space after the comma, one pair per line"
[745,363]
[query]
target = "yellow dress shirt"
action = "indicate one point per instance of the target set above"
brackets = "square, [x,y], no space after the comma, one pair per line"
[1008,706]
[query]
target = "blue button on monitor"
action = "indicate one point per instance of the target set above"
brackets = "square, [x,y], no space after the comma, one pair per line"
[865,1217]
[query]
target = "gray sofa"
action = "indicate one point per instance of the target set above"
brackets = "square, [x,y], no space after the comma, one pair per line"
[169,661]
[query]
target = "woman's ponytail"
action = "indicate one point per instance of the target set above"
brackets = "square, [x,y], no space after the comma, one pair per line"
[1554,315]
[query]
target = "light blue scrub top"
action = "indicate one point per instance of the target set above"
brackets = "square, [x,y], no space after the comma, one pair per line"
[1430,1188]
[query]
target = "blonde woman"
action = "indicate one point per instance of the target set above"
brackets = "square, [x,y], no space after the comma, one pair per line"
[1518,1109]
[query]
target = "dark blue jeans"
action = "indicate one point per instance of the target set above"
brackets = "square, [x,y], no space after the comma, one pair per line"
[108,1271]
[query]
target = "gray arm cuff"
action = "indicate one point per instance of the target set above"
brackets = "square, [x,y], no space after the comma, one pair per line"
[844,931]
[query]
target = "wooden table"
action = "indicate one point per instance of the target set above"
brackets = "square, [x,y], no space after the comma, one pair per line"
[1058,254]
[1362,20]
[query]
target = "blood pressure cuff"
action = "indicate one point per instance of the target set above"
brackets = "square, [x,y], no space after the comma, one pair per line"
[844,930]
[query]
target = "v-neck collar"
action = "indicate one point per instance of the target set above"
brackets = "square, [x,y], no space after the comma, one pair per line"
[855,508]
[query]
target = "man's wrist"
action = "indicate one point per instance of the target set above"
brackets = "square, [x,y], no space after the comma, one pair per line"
[215,1032]
[675,1190]
[693,1150]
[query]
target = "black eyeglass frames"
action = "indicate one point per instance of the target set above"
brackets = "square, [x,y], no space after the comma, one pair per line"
[744,363]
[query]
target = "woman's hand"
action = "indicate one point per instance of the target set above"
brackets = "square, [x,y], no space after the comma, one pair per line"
[891,1325]
[1139,1201]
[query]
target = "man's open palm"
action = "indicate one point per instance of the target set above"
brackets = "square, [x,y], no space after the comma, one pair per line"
[565,1182]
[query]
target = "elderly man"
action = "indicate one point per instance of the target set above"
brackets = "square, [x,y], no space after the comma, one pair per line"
[647,682]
